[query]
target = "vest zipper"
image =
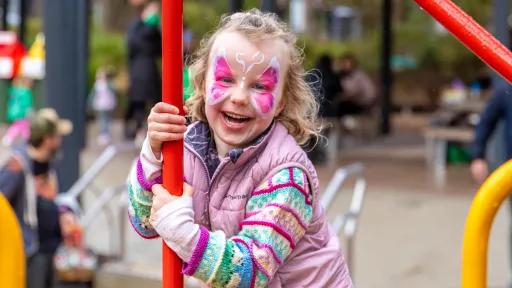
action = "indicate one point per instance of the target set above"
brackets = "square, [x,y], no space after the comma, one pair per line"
[210,183]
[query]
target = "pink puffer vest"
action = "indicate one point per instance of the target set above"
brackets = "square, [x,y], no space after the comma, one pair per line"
[219,204]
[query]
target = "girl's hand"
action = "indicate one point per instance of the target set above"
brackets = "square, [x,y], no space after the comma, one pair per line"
[162,197]
[165,124]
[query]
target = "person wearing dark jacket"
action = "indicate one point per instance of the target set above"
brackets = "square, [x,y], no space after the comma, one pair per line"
[498,108]
[330,87]
[144,42]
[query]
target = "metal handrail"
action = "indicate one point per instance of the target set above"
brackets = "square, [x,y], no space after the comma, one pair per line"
[98,206]
[340,176]
[100,203]
[347,221]
[98,165]
[70,198]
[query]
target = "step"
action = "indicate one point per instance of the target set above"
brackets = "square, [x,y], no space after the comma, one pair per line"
[133,275]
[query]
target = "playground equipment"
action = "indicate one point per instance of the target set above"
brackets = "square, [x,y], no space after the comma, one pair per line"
[478,226]
[172,91]
[12,258]
[499,185]
[471,34]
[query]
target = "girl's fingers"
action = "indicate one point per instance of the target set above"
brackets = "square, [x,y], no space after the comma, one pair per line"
[169,128]
[158,189]
[185,108]
[163,107]
[167,118]
[165,136]
[187,190]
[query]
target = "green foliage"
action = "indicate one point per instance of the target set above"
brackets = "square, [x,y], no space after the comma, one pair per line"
[249,4]
[414,36]
[362,49]
[106,49]
[202,17]
[33,27]
[437,52]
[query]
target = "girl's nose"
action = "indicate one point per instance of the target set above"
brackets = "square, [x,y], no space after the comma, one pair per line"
[239,96]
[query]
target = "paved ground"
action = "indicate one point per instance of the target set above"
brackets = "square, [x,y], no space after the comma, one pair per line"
[410,231]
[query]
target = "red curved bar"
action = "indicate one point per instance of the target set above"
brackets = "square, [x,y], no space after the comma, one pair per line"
[172,92]
[471,34]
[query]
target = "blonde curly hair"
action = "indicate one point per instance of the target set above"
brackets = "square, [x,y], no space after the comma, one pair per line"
[300,108]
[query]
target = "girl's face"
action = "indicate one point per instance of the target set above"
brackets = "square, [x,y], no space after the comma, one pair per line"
[244,87]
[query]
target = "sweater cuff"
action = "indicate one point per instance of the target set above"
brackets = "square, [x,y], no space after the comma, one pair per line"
[151,163]
[192,265]
[145,183]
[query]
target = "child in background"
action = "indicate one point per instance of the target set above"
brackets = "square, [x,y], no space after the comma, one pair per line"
[20,102]
[103,101]
[19,106]
[250,214]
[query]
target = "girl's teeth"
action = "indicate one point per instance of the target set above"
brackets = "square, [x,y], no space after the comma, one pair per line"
[236,116]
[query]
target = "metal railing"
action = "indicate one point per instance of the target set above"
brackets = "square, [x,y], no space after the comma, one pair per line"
[346,221]
[96,168]
[104,197]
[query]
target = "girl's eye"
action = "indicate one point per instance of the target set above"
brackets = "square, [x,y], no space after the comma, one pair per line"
[227,80]
[259,86]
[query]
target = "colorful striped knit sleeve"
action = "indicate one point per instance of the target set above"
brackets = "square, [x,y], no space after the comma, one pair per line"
[277,216]
[141,199]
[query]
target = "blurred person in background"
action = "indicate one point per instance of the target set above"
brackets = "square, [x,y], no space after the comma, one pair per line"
[20,100]
[499,107]
[103,101]
[359,93]
[497,110]
[29,183]
[144,41]
[331,89]
[20,104]
[325,82]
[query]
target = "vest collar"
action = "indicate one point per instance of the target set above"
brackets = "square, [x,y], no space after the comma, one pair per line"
[199,139]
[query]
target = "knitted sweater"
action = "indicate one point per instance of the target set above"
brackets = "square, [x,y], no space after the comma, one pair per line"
[242,225]
[277,214]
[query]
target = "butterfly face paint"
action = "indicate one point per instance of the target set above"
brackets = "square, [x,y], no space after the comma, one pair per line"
[257,58]
[263,93]
[222,80]
[261,89]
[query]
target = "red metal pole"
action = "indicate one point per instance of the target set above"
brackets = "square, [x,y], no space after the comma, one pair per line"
[471,34]
[172,92]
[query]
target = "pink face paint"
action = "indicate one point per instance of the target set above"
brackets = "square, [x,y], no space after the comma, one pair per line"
[223,78]
[264,98]
[264,102]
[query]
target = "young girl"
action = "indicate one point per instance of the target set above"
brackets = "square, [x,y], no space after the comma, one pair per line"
[253,219]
